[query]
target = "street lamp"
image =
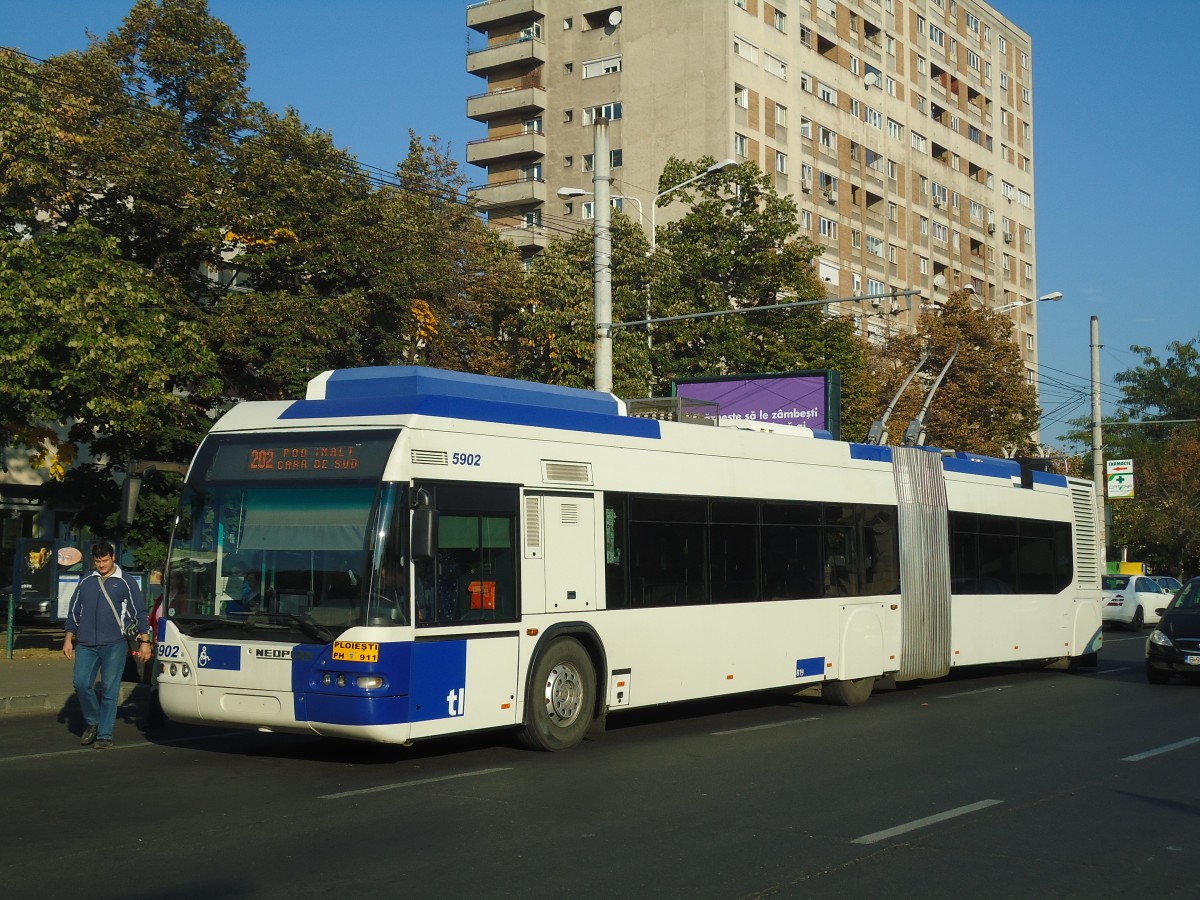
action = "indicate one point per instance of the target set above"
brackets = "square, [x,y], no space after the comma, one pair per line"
[715,167]
[1053,296]
[568,193]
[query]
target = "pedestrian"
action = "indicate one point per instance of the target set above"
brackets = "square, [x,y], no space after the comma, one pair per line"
[100,607]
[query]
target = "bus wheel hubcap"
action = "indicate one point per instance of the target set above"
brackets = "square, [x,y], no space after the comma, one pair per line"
[564,694]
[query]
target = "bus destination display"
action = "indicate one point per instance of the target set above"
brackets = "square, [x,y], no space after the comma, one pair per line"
[303,458]
[332,456]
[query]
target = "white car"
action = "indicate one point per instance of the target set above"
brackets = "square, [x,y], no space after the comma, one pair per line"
[1133,600]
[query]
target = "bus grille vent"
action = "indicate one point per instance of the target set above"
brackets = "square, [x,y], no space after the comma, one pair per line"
[570,513]
[533,527]
[566,472]
[430,458]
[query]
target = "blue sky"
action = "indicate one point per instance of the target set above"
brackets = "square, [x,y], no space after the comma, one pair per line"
[1115,112]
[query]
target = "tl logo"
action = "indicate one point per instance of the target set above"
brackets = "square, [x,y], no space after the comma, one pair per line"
[456,702]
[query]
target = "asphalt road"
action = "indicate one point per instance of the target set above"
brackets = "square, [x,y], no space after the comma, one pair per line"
[995,783]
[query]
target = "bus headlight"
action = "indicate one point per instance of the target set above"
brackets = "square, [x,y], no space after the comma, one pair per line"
[369,682]
[341,681]
[327,679]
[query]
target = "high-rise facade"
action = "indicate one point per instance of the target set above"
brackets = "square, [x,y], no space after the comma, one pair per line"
[903,129]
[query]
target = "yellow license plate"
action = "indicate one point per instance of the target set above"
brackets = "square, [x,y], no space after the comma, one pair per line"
[355,651]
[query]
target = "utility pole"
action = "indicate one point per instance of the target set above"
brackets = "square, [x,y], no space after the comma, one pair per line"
[602,257]
[1098,477]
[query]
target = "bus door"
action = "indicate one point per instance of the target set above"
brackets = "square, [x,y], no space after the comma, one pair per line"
[560,531]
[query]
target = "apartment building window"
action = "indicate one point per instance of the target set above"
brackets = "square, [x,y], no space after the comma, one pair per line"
[873,117]
[740,4]
[918,142]
[827,183]
[1029,271]
[855,108]
[875,286]
[1027,233]
[893,212]
[1007,190]
[893,254]
[1024,60]
[923,265]
[1026,96]
[891,46]
[856,284]
[895,129]
[987,34]
[806,36]
[891,169]
[1003,44]
[937,36]
[781,163]
[941,232]
[533,126]
[805,128]
[874,245]
[874,160]
[976,211]
[856,239]
[827,138]
[610,111]
[594,68]
[532,32]
[921,26]
[741,96]
[531,172]
[615,158]
[1004,81]
[924,224]
[588,209]
[780,116]
[780,21]
[568,23]
[828,228]
[1025,130]
[826,93]
[920,103]
[533,218]
[1029,342]
[741,145]
[972,23]
[745,49]
[854,65]
[775,66]
[973,60]
[806,82]
[1007,263]
[1024,198]
[920,64]
[891,87]
[806,220]
[568,162]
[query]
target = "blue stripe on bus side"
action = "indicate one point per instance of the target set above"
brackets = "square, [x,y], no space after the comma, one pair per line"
[424,681]
[474,410]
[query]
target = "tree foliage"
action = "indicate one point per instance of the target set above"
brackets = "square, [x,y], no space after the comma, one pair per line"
[984,404]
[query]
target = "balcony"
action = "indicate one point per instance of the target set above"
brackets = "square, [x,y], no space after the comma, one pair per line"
[483,107]
[494,13]
[529,143]
[524,51]
[526,237]
[522,191]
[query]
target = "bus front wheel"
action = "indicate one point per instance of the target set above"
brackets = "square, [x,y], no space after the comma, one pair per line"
[562,697]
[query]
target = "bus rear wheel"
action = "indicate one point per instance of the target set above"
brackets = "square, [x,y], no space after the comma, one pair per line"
[848,693]
[562,697]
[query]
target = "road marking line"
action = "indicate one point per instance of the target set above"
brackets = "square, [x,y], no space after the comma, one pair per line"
[1138,757]
[1110,671]
[1003,687]
[404,784]
[763,727]
[921,823]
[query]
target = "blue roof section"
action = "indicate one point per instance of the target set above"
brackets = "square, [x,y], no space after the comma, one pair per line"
[1052,478]
[416,390]
[873,452]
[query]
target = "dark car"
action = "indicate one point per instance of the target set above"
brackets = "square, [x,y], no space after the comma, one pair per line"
[1173,647]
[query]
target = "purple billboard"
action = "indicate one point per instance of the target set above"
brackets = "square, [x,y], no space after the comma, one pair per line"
[793,398]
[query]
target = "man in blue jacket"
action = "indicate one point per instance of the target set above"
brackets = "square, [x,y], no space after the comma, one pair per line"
[95,640]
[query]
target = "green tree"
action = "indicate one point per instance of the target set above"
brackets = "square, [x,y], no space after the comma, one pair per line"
[984,404]
[555,328]
[739,246]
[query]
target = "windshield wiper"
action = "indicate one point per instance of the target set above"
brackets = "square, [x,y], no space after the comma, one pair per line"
[314,630]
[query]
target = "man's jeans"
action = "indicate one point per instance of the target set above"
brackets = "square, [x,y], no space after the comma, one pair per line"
[109,661]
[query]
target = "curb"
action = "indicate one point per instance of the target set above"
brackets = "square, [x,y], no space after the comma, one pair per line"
[58,703]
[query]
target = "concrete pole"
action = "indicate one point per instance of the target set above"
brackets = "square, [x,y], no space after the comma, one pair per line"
[1098,473]
[602,256]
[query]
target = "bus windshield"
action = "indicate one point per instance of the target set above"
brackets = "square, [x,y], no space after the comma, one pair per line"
[297,559]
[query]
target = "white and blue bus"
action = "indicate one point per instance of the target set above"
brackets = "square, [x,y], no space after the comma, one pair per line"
[409,552]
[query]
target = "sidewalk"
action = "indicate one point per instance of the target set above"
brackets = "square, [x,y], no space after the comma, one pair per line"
[42,683]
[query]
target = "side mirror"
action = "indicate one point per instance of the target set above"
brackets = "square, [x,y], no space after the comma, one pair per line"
[1161,612]
[423,545]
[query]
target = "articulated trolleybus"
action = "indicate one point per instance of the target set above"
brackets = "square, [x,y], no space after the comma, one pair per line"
[409,552]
